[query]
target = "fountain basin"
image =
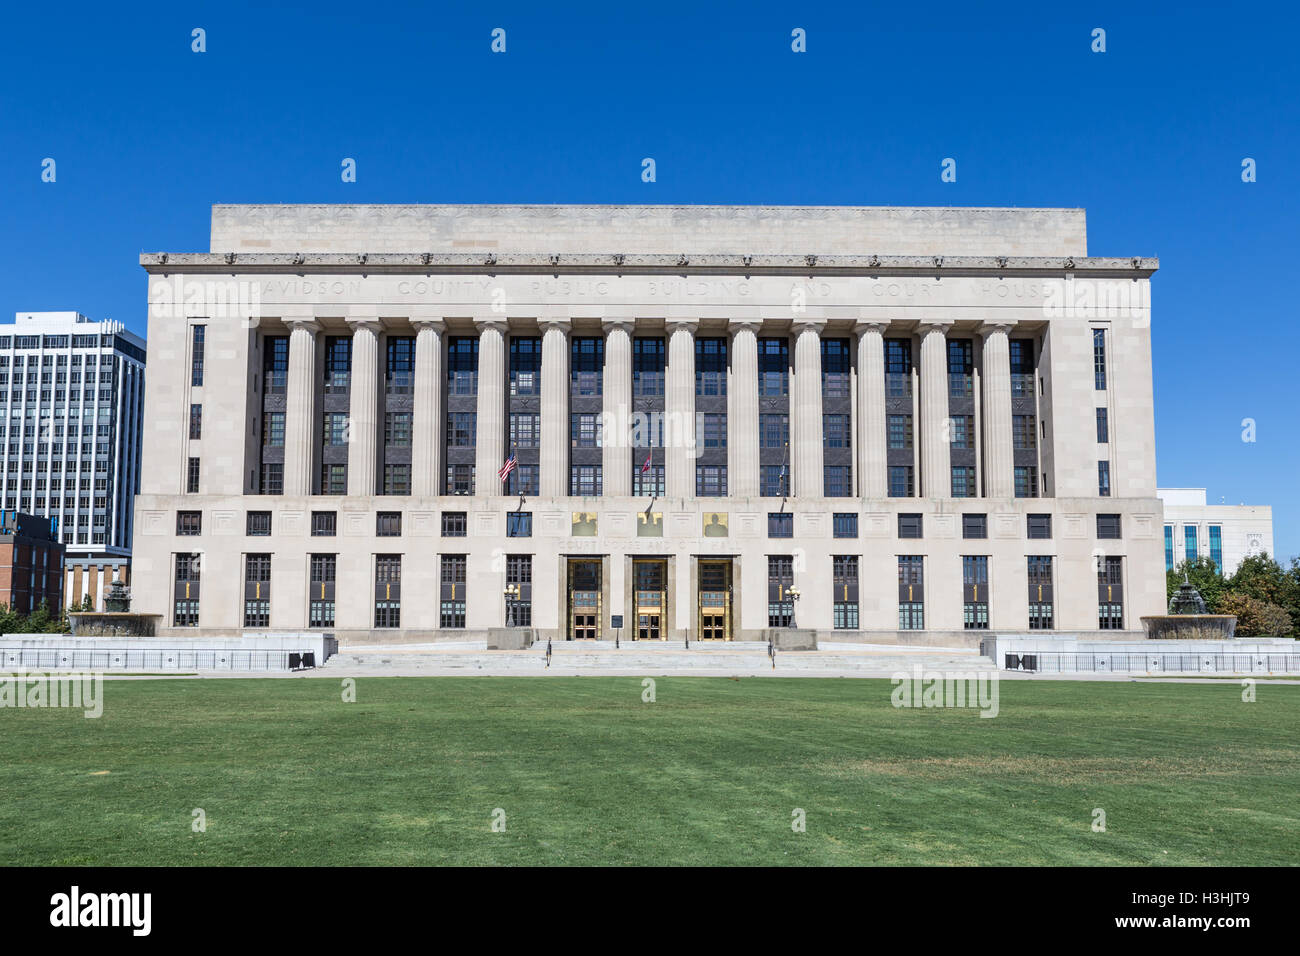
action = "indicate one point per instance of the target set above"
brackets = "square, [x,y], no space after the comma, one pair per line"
[1189,627]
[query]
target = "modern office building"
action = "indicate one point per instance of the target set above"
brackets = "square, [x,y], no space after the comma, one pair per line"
[1223,533]
[74,391]
[911,424]
[31,562]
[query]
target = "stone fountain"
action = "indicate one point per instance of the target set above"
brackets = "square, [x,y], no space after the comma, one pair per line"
[116,620]
[1187,619]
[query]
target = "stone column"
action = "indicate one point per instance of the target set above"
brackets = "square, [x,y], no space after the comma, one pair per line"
[554,453]
[490,421]
[999,473]
[300,406]
[806,410]
[873,454]
[616,456]
[936,438]
[742,422]
[364,407]
[426,409]
[680,452]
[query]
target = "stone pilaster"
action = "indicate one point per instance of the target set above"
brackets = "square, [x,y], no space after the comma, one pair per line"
[490,420]
[426,408]
[999,474]
[742,418]
[873,455]
[936,438]
[806,410]
[364,407]
[616,456]
[554,453]
[679,410]
[300,406]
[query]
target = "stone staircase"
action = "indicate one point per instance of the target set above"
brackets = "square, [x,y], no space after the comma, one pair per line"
[657,657]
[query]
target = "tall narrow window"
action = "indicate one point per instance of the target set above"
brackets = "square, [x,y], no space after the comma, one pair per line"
[196,355]
[196,421]
[780,578]
[773,367]
[1103,427]
[711,367]
[587,358]
[519,593]
[1041,605]
[320,603]
[898,368]
[185,605]
[525,365]
[1191,544]
[452,605]
[399,378]
[911,595]
[388,590]
[836,368]
[1103,479]
[1099,359]
[192,476]
[1110,594]
[257,590]
[844,591]
[1216,546]
[1169,547]
[961,368]
[975,592]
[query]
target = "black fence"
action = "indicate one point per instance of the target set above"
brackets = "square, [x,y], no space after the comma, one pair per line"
[162,659]
[1152,663]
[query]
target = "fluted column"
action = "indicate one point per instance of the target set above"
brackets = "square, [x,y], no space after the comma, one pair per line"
[679,407]
[742,419]
[616,457]
[936,438]
[426,408]
[554,453]
[806,410]
[300,406]
[999,473]
[490,421]
[873,454]
[363,406]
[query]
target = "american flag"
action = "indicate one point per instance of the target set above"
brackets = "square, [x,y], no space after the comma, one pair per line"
[511,464]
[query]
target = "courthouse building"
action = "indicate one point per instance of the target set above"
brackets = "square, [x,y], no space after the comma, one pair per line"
[882,424]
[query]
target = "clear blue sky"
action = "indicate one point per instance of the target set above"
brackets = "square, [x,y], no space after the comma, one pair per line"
[1148,137]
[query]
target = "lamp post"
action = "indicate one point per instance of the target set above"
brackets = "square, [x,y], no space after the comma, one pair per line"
[512,595]
[794,599]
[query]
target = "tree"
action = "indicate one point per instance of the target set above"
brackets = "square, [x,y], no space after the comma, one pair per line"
[1262,578]
[1256,618]
[1204,575]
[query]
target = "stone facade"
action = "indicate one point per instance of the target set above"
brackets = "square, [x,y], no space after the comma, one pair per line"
[903,347]
[1224,533]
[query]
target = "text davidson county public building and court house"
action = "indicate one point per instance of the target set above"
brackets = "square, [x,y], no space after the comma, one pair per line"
[878,424]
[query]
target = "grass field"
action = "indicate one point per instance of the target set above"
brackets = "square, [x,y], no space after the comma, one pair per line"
[710,773]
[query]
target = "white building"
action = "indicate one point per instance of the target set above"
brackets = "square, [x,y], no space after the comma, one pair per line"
[1223,533]
[74,392]
[877,423]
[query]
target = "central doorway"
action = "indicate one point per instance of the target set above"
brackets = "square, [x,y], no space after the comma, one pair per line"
[650,592]
[584,600]
[714,617]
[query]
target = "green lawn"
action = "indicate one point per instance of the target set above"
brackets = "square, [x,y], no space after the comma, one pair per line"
[586,773]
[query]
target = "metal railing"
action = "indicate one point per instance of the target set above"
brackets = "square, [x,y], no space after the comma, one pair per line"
[1152,663]
[163,659]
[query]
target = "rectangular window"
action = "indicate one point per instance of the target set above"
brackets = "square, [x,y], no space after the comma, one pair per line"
[911,593]
[1021,355]
[519,524]
[189,523]
[845,524]
[460,479]
[773,367]
[525,365]
[388,590]
[1103,427]
[1026,480]
[1041,604]
[196,421]
[975,592]
[898,368]
[388,524]
[523,480]
[837,368]
[1110,594]
[587,357]
[772,480]
[525,429]
[1191,544]
[275,364]
[585,430]
[837,481]
[258,524]
[900,431]
[257,590]
[324,524]
[273,429]
[910,526]
[711,366]
[1024,435]
[399,371]
[452,605]
[1169,547]
[397,479]
[648,367]
[780,579]
[974,526]
[773,430]
[710,481]
[196,355]
[461,429]
[397,429]
[462,365]
[836,431]
[961,368]
[1103,479]
[844,591]
[1108,526]
[192,476]
[713,427]
[1038,526]
[519,603]
[185,607]
[1099,359]
[585,481]
[338,364]
[454,524]
[900,481]
[963,481]
[647,481]
[780,524]
[333,479]
[963,432]
[320,604]
[335,428]
[1216,546]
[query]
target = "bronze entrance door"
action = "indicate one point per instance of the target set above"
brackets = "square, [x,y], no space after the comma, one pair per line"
[714,618]
[584,600]
[650,592]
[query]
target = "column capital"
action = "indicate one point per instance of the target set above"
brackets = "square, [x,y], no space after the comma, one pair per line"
[1000,325]
[865,326]
[926,326]
[744,325]
[371,322]
[617,324]
[491,323]
[800,326]
[420,323]
[682,325]
[547,323]
[296,322]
